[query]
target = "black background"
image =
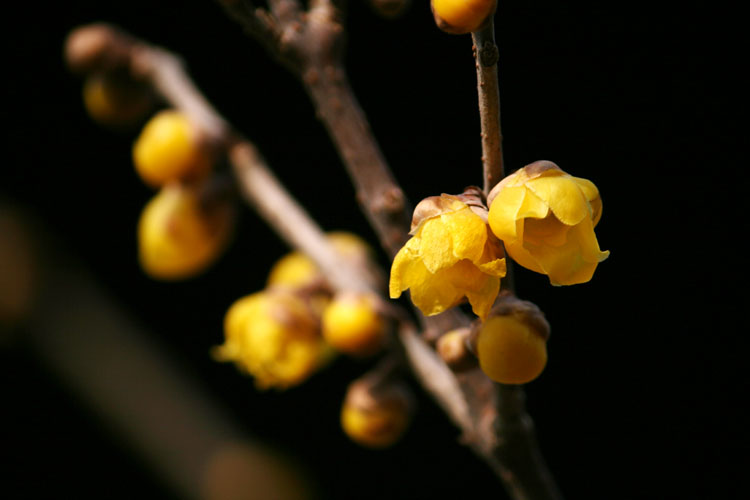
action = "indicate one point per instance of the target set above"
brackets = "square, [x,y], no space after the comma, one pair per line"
[641,395]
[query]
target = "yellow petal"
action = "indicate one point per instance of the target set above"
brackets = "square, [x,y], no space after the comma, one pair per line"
[522,256]
[401,270]
[563,196]
[503,211]
[468,232]
[492,261]
[574,262]
[436,248]
[591,193]
[434,293]
[547,231]
[481,301]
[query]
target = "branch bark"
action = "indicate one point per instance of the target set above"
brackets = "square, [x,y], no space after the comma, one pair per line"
[486,55]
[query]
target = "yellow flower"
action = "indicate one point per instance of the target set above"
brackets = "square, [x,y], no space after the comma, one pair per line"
[274,337]
[546,219]
[451,255]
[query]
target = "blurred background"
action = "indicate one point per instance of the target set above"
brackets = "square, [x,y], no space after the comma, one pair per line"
[641,397]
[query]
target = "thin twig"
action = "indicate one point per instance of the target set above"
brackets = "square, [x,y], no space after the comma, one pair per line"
[486,55]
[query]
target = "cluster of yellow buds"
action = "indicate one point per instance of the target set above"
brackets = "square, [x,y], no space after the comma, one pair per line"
[283,334]
[543,217]
[187,225]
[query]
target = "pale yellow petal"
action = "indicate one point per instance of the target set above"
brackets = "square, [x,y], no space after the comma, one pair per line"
[591,192]
[532,207]
[468,231]
[522,256]
[503,212]
[435,293]
[547,231]
[492,261]
[574,262]
[564,197]
[401,270]
[482,300]
[436,248]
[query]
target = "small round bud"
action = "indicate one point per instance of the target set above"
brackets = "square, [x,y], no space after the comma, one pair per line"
[179,236]
[453,348]
[351,324]
[273,336]
[512,343]
[170,148]
[462,16]
[110,100]
[376,417]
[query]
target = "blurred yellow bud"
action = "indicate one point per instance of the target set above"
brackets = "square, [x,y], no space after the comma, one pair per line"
[462,16]
[376,417]
[111,100]
[296,270]
[178,236]
[273,336]
[546,219]
[452,254]
[512,343]
[352,324]
[170,148]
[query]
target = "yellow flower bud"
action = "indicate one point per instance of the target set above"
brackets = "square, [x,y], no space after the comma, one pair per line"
[110,100]
[546,219]
[296,270]
[170,148]
[178,236]
[512,343]
[351,324]
[462,16]
[451,255]
[376,417]
[273,336]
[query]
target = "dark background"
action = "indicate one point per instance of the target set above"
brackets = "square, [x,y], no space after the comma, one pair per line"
[641,395]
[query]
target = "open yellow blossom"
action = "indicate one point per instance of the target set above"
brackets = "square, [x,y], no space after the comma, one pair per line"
[451,255]
[546,219]
[274,337]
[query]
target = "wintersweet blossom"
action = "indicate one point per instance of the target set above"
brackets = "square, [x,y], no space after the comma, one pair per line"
[274,337]
[452,254]
[546,220]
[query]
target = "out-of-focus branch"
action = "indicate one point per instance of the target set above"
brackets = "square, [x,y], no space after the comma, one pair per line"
[310,44]
[107,361]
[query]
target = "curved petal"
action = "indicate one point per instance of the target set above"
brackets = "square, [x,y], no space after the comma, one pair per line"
[547,231]
[492,261]
[591,192]
[468,232]
[435,293]
[436,248]
[503,212]
[482,300]
[574,262]
[403,270]
[564,197]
